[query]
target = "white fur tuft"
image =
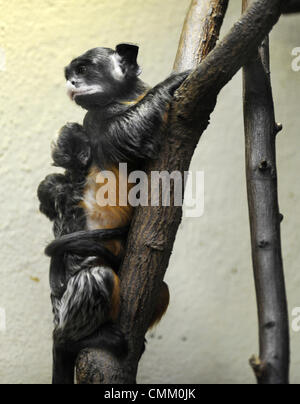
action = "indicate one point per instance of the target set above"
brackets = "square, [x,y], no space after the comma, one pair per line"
[117,71]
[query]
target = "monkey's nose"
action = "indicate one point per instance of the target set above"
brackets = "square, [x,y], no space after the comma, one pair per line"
[72,83]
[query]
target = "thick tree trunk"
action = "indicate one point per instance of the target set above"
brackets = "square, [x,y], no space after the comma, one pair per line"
[154,229]
[272,367]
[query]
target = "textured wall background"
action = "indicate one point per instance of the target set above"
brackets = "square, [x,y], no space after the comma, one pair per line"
[210,330]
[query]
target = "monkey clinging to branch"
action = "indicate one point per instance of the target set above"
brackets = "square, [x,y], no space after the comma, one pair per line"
[122,125]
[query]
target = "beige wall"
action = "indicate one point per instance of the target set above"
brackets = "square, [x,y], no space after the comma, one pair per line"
[211,329]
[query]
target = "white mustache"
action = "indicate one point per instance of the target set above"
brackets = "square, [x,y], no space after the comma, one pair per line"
[83,89]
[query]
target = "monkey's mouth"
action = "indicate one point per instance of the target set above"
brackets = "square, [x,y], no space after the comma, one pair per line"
[77,93]
[73,94]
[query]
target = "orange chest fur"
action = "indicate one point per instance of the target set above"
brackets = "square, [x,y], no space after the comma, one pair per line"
[99,186]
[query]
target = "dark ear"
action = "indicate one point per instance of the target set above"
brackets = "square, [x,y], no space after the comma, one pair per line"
[128,62]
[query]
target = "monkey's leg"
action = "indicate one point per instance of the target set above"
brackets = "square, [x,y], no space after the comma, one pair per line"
[83,319]
[91,298]
[161,305]
[107,337]
[72,149]
[63,366]
[160,309]
[63,358]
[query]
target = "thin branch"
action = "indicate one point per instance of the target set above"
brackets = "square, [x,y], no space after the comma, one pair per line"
[272,366]
[154,229]
[292,6]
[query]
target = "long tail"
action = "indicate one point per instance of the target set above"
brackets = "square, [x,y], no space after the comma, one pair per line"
[86,244]
[80,241]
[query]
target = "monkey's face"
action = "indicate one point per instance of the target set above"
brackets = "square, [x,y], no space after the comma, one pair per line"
[100,76]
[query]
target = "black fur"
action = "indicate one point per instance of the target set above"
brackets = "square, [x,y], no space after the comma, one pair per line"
[84,243]
[107,337]
[116,129]
[67,253]
[120,133]
[73,150]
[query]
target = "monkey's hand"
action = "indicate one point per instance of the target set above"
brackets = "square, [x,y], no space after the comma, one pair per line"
[72,149]
[173,82]
[52,194]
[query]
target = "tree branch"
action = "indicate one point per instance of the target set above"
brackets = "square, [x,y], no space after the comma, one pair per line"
[154,229]
[226,59]
[260,131]
[200,33]
[292,6]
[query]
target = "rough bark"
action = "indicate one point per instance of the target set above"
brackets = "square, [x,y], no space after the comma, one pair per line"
[200,33]
[154,229]
[272,366]
[292,6]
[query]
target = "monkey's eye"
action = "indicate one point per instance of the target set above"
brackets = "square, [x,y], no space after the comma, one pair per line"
[81,69]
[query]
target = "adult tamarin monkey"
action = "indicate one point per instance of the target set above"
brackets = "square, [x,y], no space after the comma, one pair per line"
[122,125]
